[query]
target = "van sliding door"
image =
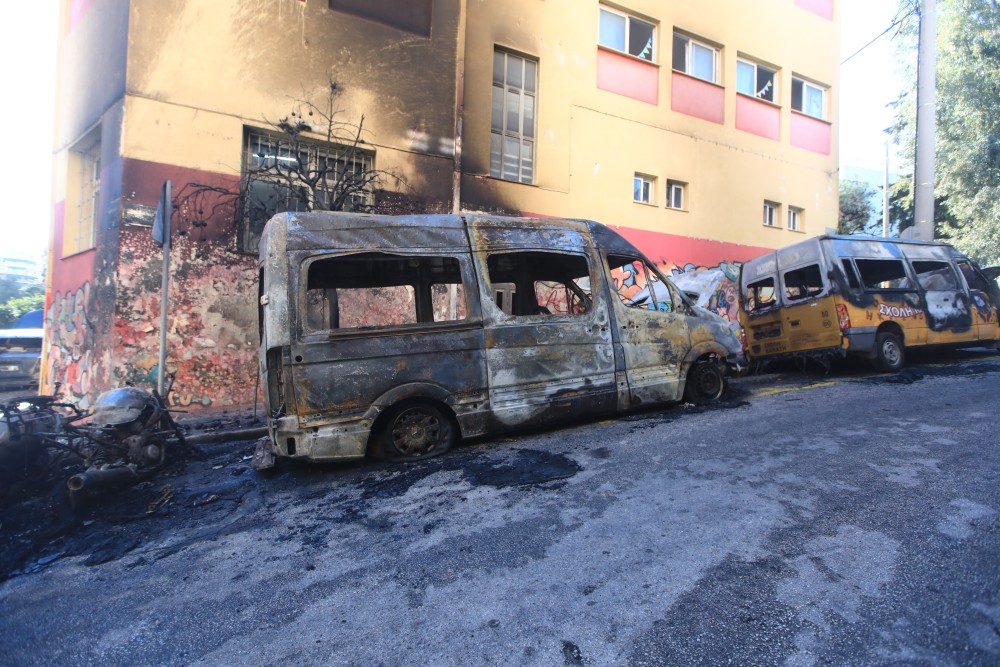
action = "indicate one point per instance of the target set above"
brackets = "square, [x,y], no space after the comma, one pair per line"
[548,343]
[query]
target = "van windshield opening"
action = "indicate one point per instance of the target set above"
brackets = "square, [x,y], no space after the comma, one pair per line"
[638,285]
[372,290]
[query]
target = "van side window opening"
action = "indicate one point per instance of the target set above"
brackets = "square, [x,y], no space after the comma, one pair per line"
[851,273]
[934,275]
[760,295]
[883,274]
[370,290]
[525,284]
[638,285]
[803,283]
[972,277]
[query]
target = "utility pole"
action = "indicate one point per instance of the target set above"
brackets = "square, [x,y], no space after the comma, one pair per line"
[885,194]
[923,172]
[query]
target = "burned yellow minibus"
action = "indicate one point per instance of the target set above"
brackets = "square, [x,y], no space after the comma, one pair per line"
[831,296]
[393,337]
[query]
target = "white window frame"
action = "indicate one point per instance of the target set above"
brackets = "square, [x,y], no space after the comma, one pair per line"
[83,212]
[644,189]
[795,219]
[808,86]
[690,44]
[771,213]
[524,136]
[755,93]
[629,18]
[676,187]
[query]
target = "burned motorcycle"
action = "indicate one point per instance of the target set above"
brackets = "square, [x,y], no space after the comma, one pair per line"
[26,425]
[128,433]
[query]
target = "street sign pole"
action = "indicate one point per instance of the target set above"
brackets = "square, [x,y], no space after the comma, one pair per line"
[161,233]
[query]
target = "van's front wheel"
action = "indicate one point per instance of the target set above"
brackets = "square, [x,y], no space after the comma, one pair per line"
[888,352]
[414,431]
[705,382]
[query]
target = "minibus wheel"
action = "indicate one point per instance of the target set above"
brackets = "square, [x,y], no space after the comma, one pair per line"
[888,351]
[414,431]
[705,382]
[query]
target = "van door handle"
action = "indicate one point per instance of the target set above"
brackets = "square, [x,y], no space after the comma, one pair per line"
[794,323]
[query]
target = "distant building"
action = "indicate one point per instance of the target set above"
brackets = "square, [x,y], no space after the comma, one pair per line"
[21,270]
[706,132]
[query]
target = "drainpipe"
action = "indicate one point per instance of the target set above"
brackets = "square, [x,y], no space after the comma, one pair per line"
[923,176]
[456,178]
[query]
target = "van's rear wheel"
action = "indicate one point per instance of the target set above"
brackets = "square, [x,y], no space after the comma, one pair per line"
[414,431]
[888,352]
[705,382]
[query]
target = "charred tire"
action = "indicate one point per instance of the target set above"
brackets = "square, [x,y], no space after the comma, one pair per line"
[705,382]
[414,431]
[888,352]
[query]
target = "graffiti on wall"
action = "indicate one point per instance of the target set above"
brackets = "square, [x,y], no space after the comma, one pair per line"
[711,287]
[72,357]
[212,319]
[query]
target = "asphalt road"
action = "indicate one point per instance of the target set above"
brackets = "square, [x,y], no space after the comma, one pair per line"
[849,519]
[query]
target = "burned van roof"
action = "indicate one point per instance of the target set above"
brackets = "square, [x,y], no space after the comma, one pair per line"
[845,245]
[319,231]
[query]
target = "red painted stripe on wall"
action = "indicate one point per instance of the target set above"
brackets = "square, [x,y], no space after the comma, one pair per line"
[822,8]
[758,117]
[627,76]
[68,273]
[697,98]
[681,250]
[810,133]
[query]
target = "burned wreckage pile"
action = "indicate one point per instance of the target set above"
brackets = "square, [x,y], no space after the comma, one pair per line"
[126,436]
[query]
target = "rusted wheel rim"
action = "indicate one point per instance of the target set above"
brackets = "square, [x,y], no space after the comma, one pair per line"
[890,351]
[416,432]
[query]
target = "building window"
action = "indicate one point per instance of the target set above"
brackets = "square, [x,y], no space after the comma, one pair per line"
[625,33]
[512,141]
[83,195]
[795,219]
[675,194]
[770,213]
[808,98]
[696,58]
[755,80]
[281,174]
[643,188]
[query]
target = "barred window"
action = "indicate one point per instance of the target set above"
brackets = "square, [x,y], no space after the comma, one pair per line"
[283,174]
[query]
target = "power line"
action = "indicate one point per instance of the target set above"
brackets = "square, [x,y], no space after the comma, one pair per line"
[895,23]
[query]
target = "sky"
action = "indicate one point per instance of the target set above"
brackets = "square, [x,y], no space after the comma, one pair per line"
[27,77]
[867,85]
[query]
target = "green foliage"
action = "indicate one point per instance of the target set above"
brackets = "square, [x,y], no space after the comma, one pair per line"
[31,299]
[967,147]
[855,208]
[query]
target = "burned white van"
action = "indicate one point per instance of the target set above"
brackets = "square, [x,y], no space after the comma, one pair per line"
[392,337]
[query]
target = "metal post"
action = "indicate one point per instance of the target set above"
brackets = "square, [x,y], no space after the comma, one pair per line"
[885,194]
[165,289]
[923,176]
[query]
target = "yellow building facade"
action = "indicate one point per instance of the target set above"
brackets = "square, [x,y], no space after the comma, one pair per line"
[706,132]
